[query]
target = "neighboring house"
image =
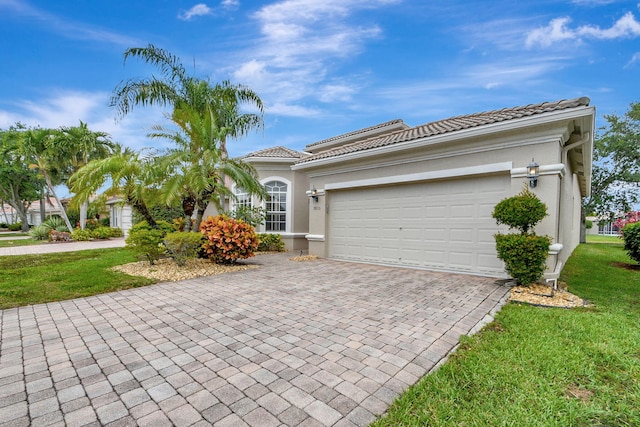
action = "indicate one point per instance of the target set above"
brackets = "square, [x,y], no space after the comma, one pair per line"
[120,215]
[51,207]
[423,196]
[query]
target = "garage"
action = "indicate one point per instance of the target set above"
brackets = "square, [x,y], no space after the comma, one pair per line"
[439,225]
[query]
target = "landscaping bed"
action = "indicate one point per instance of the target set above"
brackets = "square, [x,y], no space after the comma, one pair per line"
[166,270]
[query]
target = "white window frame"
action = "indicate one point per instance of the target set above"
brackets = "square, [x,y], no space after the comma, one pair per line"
[288,202]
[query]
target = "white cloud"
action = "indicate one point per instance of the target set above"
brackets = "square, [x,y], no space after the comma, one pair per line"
[634,60]
[282,109]
[558,30]
[200,9]
[230,4]
[301,42]
[68,27]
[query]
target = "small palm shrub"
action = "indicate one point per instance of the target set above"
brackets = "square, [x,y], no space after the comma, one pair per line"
[524,254]
[270,242]
[631,237]
[147,241]
[80,235]
[228,239]
[40,232]
[183,245]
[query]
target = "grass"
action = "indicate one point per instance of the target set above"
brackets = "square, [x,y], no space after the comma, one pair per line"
[34,279]
[542,366]
[597,238]
[12,234]
[20,242]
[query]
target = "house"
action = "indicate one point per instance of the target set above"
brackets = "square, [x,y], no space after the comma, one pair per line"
[423,196]
[9,215]
[120,215]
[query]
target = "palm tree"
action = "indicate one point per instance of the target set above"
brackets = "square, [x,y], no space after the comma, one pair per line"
[196,168]
[79,145]
[39,145]
[207,117]
[130,174]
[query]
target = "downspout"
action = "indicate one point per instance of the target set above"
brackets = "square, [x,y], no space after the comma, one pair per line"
[558,246]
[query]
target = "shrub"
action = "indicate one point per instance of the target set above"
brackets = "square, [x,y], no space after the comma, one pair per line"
[15,227]
[524,255]
[101,233]
[183,245]
[631,237]
[80,235]
[116,232]
[91,224]
[164,226]
[105,222]
[147,243]
[522,211]
[40,232]
[270,242]
[59,236]
[588,224]
[228,239]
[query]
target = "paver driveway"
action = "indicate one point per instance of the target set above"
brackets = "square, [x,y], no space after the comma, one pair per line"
[288,343]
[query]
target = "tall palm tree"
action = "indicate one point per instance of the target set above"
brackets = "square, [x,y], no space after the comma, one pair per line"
[196,168]
[203,112]
[79,145]
[131,176]
[39,145]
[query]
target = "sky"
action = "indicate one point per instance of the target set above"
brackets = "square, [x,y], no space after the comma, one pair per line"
[321,67]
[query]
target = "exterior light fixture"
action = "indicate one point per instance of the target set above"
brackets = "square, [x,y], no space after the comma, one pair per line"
[533,172]
[313,193]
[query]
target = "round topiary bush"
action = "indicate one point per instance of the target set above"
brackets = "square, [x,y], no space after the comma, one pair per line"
[524,254]
[522,211]
[228,239]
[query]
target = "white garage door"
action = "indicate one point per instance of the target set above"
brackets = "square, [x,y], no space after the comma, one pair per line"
[440,225]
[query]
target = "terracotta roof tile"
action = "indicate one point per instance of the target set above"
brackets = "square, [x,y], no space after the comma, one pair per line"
[354,133]
[448,125]
[277,152]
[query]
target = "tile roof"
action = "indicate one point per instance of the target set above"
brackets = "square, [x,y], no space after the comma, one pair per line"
[448,125]
[354,133]
[277,152]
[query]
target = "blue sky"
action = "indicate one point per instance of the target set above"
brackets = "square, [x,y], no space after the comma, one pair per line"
[322,67]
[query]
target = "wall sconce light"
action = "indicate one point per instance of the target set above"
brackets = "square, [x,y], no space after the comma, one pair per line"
[313,193]
[533,172]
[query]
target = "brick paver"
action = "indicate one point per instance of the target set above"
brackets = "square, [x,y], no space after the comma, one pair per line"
[289,343]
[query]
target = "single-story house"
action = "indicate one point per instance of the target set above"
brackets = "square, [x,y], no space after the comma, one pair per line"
[120,215]
[34,215]
[423,196]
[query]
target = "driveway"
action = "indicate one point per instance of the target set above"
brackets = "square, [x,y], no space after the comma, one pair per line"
[315,343]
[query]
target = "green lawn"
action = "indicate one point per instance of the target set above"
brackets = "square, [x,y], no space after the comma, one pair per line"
[542,366]
[12,234]
[20,242]
[596,238]
[33,279]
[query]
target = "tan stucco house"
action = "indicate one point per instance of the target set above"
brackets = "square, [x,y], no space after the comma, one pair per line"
[423,196]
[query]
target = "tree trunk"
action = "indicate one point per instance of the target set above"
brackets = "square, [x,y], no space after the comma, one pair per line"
[84,207]
[43,209]
[583,226]
[21,209]
[6,218]
[141,207]
[55,196]
[188,206]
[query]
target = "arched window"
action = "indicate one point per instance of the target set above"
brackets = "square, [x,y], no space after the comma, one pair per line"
[276,206]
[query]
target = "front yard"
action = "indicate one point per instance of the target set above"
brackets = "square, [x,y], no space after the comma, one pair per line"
[542,366]
[532,366]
